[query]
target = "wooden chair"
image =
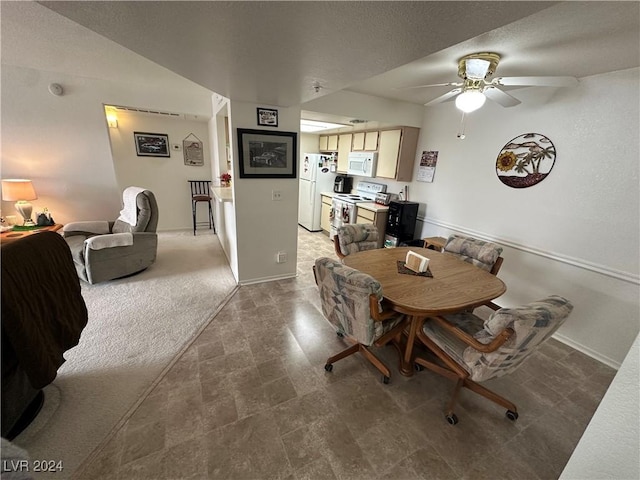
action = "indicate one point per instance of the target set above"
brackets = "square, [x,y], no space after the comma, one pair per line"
[352,303]
[484,255]
[200,192]
[354,238]
[469,350]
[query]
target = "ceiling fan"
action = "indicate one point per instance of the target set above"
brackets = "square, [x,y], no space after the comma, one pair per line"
[475,70]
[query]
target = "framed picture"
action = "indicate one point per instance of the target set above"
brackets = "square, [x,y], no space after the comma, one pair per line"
[267,154]
[151,144]
[267,117]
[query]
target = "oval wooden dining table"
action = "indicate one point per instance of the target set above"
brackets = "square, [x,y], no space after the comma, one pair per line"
[454,286]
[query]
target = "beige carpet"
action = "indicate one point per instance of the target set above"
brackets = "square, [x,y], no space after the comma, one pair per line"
[137,325]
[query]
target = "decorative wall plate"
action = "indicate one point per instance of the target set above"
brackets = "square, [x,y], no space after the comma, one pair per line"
[525,160]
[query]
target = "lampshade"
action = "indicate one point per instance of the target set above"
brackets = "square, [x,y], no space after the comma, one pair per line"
[18,189]
[470,100]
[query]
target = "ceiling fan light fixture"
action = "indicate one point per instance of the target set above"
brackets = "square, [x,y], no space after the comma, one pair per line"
[476,68]
[470,101]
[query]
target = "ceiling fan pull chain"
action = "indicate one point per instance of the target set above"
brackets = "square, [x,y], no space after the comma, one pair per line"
[461,134]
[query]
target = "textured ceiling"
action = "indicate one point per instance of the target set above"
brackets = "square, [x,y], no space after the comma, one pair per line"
[273,52]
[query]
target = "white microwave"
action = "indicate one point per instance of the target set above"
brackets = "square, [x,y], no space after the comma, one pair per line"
[362,163]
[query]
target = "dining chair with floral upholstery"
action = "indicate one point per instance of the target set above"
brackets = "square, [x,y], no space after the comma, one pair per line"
[470,350]
[352,302]
[484,255]
[355,238]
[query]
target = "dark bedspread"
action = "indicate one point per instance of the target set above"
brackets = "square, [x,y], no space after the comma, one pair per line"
[43,312]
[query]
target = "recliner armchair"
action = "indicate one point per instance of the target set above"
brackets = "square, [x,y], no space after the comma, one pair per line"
[106,250]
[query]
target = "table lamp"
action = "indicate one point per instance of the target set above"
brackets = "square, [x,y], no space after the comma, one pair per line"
[20,191]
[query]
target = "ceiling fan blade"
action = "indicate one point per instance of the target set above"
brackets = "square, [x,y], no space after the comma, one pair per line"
[536,81]
[448,84]
[445,97]
[501,97]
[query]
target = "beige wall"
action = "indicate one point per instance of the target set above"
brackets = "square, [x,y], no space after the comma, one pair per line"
[264,227]
[576,233]
[166,177]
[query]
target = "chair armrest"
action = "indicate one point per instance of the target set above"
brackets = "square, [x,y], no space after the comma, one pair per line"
[97,228]
[336,244]
[496,343]
[109,240]
[378,315]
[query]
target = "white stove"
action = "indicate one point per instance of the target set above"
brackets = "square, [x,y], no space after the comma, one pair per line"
[344,205]
[365,192]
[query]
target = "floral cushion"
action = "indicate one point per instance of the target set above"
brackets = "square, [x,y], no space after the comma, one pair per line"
[344,292]
[354,238]
[533,324]
[478,252]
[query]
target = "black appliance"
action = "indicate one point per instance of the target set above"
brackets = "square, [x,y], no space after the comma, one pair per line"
[401,222]
[342,184]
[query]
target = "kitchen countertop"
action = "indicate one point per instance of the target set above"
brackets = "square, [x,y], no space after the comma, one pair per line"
[222,194]
[374,207]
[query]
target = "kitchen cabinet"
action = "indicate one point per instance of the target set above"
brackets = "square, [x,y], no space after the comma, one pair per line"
[371,141]
[328,143]
[325,213]
[324,141]
[344,147]
[376,216]
[365,141]
[397,153]
[358,142]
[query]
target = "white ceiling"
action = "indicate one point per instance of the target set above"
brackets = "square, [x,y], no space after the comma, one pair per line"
[274,52]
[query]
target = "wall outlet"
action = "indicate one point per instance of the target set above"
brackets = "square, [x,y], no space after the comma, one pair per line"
[276,195]
[281,257]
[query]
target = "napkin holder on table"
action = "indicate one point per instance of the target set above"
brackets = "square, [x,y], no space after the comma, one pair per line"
[416,262]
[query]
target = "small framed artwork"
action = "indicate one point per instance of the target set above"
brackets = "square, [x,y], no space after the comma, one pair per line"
[267,117]
[267,154]
[151,144]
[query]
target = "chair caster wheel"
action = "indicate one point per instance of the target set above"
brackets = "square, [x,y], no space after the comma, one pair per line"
[385,380]
[511,415]
[452,419]
[328,367]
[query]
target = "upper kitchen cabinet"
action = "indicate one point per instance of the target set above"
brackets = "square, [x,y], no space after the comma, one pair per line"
[328,143]
[324,141]
[365,141]
[344,147]
[397,153]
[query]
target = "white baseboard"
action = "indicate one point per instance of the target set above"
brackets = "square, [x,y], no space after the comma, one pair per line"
[587,351]
[268,279]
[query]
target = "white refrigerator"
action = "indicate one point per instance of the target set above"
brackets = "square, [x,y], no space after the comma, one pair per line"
[317,175]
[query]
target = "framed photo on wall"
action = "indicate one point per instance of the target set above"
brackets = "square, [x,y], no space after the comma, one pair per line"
[267,117]
[267,154]
[151,144]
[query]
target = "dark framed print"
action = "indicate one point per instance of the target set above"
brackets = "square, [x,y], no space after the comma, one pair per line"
[267,117]
[151,144]
[267,154]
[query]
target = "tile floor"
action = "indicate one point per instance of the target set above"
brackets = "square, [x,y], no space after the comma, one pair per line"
[250,400]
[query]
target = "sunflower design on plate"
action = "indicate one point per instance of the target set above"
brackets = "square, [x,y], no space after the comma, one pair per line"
[525,160]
